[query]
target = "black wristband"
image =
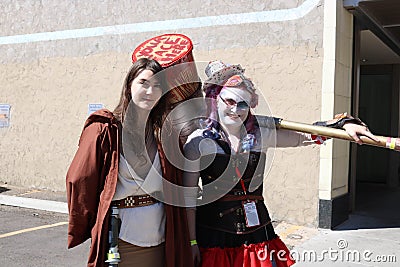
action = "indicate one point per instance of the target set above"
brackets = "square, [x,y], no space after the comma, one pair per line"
[340,122]
[320,123]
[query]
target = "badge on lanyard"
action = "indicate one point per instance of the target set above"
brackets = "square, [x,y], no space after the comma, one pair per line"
[250,213]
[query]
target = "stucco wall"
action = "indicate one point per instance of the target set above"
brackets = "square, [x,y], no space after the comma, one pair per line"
[49,83]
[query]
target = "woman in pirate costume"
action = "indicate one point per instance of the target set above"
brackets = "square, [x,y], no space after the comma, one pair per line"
[229,224]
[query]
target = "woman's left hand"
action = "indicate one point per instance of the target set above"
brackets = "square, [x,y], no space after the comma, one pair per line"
[356,130]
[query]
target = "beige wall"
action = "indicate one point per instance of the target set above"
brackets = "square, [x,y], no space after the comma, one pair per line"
[50,83]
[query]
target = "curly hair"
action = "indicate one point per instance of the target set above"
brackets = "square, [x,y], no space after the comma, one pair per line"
[212,92]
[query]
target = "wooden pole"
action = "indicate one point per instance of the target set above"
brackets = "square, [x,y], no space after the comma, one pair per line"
[384,141]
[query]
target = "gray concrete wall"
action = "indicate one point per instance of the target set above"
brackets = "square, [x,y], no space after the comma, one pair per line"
[50,82]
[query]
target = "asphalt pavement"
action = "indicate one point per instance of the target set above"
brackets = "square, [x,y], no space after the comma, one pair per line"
[33,233]
[33,229]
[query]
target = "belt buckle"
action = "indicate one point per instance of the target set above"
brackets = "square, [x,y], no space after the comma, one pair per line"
[130,201]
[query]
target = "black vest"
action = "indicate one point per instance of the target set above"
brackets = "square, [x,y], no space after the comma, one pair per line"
[222,189]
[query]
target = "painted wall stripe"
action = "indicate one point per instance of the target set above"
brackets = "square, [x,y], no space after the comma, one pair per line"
[168,25]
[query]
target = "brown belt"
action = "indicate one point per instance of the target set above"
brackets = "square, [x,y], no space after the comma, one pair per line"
[134,201]
[241,197]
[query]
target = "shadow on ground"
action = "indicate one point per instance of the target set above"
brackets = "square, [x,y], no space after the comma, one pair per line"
[3,189]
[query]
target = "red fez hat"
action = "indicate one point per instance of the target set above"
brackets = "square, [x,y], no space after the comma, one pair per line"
[172,51]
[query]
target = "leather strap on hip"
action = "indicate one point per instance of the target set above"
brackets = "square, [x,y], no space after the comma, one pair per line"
[241,197]
[134,201]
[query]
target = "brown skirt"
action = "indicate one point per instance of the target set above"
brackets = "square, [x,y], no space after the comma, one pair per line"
[132,256]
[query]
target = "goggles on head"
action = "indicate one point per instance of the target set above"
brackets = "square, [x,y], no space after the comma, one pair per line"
[240,80]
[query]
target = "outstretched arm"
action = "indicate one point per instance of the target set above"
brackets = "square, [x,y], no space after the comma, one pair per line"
[292,134]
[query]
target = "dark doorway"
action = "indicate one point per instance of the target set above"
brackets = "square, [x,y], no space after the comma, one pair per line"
[377,177]
[376,190]
[375,99]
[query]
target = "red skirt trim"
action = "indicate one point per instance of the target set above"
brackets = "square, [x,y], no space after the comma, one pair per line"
[253,255]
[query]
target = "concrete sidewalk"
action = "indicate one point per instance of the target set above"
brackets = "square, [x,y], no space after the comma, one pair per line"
[351,247]
[39,199]
[361,241]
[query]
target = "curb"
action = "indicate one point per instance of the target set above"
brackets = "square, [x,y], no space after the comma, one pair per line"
[32,203]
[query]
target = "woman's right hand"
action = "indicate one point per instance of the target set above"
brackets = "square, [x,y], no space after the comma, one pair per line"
[196,255]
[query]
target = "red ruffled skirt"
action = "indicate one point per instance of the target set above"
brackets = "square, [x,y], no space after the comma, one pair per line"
[253,255]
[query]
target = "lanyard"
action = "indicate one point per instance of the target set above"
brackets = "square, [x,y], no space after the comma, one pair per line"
[241,180]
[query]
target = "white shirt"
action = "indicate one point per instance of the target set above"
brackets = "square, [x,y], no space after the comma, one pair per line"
[141,226]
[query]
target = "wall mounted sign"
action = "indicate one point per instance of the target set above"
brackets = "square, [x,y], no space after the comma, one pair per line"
[4,115]
[94,107]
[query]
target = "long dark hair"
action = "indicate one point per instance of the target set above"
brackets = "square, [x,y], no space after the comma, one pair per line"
[155,120]
[137,67]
